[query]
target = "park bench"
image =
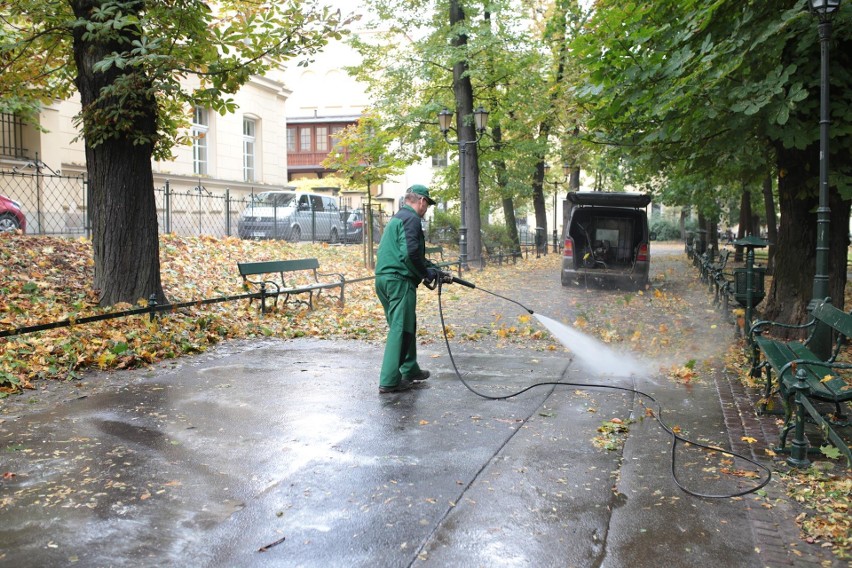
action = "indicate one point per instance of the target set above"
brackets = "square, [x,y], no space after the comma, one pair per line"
[435,254]
[798,371]
[709,268]
[714,271]
[294,277]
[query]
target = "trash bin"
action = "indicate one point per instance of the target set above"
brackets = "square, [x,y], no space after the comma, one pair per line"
[741,285]
[540,241]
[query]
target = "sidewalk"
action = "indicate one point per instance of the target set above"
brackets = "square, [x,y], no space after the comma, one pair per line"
[287,446]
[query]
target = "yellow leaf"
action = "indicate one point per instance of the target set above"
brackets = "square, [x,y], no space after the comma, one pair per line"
[749,439]
[826,378]
[657,293]
[424,422]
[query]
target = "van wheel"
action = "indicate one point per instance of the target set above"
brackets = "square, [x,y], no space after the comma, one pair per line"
[296,234]
[333,238]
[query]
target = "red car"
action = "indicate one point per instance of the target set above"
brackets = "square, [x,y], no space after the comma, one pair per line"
[11,216]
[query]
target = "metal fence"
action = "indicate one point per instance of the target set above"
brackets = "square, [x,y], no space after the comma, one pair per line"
[52,204]
[57,205]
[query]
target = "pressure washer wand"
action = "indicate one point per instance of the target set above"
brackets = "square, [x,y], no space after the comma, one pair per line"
[448,278]
[457,280]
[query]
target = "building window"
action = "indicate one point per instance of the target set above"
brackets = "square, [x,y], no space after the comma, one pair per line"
[322,139]
[305,139]
[335,135]
[291,138]
[439,161]
[249,142]
[11,136]
[200,130]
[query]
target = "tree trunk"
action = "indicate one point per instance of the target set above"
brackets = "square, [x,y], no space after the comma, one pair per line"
[795,259]
[539,204]
[463,90]
[745,227]
[771,223]
[125,240]
[502,186]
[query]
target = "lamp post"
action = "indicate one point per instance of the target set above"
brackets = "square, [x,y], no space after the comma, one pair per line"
[480,119]
[824,10]
[566,172]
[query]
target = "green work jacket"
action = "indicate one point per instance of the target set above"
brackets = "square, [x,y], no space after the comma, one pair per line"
[402,250]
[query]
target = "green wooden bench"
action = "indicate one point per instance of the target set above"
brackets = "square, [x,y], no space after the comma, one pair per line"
[294,277]
[799,371]
[436,255]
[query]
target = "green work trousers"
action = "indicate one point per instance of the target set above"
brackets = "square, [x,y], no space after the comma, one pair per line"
[399,300]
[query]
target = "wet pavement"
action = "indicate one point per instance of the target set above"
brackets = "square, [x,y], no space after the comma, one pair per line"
[283,453]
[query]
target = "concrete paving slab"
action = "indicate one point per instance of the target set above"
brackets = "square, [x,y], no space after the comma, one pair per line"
[288,445]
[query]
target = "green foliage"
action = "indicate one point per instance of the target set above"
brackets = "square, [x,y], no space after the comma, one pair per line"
[496,238]
[154,59]
[686,88]
[363,152]
[665,229]
[444,227]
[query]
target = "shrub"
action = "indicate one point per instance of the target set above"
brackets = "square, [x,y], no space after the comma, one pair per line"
[665,230]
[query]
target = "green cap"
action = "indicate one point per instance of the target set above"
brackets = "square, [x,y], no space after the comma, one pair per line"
[422,191]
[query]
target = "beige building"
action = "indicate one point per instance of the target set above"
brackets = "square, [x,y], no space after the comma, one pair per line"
[236,155]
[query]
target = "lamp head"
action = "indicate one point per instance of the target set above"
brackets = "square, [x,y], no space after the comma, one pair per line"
[825,9]
[445,117]
[480,118]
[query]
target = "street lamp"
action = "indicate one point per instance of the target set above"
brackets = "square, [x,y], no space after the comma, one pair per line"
[566,172]
[480,120]
[825,10]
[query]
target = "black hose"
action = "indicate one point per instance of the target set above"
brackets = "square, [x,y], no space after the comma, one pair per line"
[657,413]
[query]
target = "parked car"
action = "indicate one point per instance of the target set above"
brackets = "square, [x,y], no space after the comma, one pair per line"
[11,216]
[292,216]
[607,242]
[353,230]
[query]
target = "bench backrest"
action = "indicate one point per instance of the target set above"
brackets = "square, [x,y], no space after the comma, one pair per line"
[433,250]
[273,266]
[834,317]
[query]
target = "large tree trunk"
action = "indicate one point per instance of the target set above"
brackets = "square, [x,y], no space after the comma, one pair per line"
[463,90]
[795,259]
[539,204]
[771,222]
[123,212]
[745,226]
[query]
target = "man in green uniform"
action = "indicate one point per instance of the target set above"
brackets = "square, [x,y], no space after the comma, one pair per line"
[400,267]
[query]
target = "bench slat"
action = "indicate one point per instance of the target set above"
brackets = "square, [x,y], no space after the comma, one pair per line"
[272,266]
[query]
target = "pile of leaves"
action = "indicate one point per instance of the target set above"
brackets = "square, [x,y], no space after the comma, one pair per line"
[49,279]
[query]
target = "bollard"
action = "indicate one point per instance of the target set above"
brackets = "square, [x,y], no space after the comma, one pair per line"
[152,305]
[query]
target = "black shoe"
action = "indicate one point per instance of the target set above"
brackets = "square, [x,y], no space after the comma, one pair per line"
[403,385]
[421,376]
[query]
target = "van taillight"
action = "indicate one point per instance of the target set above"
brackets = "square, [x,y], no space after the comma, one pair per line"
[642,256]
[568,251]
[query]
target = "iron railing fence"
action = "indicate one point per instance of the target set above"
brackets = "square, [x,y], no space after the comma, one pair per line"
[57,205]
[52,204]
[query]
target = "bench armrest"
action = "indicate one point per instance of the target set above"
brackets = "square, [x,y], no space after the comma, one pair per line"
[258,283]
[760,326]
[340,276]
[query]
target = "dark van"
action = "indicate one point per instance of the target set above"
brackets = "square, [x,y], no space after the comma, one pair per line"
[607,243]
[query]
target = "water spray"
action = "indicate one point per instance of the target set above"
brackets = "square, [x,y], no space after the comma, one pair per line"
[448,278]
